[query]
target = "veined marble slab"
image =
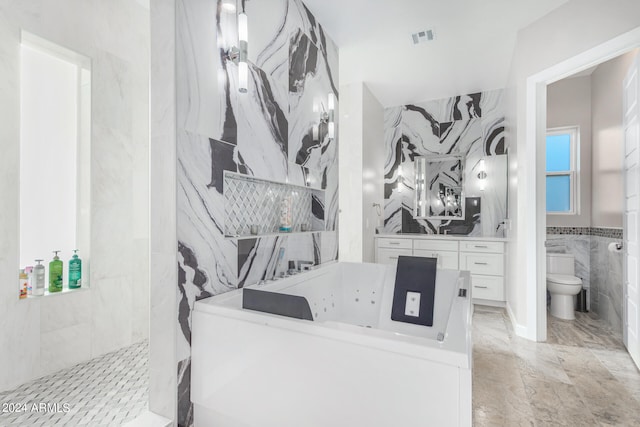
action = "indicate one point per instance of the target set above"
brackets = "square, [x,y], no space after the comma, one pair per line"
[265,133]
[469,125]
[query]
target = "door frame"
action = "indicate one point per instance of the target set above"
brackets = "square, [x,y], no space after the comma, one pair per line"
[536,119]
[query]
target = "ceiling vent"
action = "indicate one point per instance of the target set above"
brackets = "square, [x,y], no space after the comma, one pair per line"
[423,36]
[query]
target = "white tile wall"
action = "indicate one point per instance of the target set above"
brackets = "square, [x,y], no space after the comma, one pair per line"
[115,35]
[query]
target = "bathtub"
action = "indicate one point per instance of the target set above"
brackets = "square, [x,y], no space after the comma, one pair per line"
[351,366]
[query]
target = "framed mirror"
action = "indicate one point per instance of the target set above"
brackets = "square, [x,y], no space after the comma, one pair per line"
[438,181]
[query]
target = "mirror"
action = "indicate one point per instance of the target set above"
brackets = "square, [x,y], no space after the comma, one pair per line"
[438,181]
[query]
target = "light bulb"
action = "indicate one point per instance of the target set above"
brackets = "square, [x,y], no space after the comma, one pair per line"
[243,76]
[331,103]
[331,130]
[243,27]
[229,7]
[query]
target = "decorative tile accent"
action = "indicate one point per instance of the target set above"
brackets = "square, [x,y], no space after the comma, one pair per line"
[106,391]
[579,231]
[250,201]
[612,233]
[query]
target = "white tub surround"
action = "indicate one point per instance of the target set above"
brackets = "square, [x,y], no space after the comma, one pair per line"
[352,365]
[483,257]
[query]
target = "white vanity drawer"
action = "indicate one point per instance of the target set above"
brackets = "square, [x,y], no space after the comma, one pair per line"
[446,259]
[390,256]
[395,243]
[435,245]
[476,246]
[479,263]
[487,287]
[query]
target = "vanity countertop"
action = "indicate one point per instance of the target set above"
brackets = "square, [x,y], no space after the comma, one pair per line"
[442,237]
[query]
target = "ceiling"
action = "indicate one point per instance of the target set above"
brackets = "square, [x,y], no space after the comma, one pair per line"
[472,51]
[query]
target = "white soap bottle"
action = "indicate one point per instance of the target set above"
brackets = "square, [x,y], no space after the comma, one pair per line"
[38,278]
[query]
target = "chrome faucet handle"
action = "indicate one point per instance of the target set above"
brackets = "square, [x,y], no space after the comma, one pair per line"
[305,265]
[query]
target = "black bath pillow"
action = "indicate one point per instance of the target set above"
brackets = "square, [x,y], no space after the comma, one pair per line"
[415,274]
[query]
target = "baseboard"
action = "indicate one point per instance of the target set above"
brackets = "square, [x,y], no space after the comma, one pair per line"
[520,330]
[489,303]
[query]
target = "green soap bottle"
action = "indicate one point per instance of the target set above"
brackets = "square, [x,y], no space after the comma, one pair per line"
[75,271]
[55,274]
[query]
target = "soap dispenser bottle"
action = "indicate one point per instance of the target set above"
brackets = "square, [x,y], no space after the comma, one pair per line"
[55,274]
[23,284]
[38,275]
[75,271]
[285,214]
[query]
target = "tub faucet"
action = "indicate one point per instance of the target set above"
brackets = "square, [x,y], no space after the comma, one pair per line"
[270,272]
[304,265]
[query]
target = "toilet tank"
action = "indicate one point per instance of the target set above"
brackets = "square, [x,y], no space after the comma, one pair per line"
[561,264]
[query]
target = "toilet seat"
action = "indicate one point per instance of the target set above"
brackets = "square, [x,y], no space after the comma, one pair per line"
[564,279]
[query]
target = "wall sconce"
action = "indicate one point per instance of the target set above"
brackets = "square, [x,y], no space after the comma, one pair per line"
[482,174]
[326,117]
[239,55]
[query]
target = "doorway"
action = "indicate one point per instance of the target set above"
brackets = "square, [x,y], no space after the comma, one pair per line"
[585,198]
[537,98]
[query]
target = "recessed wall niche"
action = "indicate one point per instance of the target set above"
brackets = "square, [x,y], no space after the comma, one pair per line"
[256,203]
[55,134]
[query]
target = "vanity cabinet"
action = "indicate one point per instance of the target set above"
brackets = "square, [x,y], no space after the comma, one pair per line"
[485,262]
[445,251]
[484,259]
[389,249]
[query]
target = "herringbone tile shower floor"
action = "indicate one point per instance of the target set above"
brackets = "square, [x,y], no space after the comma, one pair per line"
[106,391]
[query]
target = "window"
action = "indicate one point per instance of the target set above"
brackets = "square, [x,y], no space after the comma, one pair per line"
[55,133]
[561,156]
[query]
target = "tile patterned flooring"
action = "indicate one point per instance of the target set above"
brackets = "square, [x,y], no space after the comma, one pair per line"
[582,375]
[106,391]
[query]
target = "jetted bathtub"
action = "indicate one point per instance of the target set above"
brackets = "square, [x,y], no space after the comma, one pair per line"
[351,366]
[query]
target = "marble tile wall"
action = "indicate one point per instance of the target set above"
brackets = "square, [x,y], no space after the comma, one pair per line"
[265,133]
[607,282]
[471,125]
[599,269]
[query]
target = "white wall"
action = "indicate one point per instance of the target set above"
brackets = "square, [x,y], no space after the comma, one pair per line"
[562,34]
[41,335]
[569,104]
[361,171]
[350,153]
[372,170]
[163,240]
[606,83]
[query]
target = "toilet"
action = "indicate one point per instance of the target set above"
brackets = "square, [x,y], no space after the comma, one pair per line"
[562,284]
